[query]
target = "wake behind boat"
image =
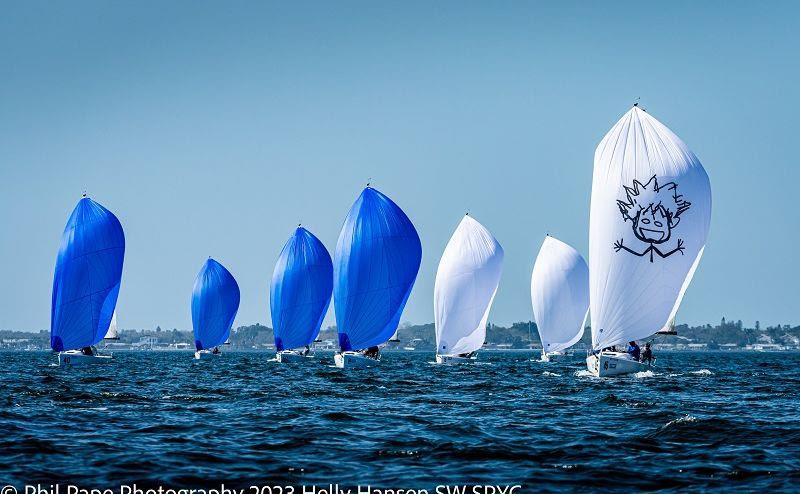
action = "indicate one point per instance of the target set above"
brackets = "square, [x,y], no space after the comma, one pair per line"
[560,297]
[215,302]
[86,283]
[466,283]
[377,258]
[300,293]
[650,215]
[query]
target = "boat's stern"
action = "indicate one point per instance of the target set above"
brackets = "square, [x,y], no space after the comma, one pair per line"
[205,354]
[354,360]
[290,357]
[593,364]
[607,364]
[73,358]
[453,359]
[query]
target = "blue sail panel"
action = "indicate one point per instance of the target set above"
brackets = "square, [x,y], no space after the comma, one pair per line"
[87,277]
[215,301]
[300,292]
[375,265]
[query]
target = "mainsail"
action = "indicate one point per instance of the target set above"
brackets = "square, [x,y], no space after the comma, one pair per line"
[375,265]
[559,294]
[112,333]
[466,283]
[215,301]
[300,292]
[87,277]
[649,220]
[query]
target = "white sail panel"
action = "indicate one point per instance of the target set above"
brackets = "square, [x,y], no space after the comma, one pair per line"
[466,283]
[112,333]
[559,294]
[649,220]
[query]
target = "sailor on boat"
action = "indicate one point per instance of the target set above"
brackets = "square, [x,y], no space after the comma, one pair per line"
[88,351]
[373,352]
[634,350]
[647,355]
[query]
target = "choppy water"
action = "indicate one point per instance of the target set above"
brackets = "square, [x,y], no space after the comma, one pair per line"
[701,420]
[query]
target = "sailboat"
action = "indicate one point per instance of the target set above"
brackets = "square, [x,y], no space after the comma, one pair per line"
[215,301]
[376,261]
[466,283]
[300,294]
[560,297]
[86,283]
[649,220]
[113,333]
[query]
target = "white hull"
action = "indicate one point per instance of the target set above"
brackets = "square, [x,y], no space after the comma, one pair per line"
[291,357]
[205,354]
[354,360]
[74,358]
[606,364]
[454,360]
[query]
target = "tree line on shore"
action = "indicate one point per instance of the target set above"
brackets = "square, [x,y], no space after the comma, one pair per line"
[421,336]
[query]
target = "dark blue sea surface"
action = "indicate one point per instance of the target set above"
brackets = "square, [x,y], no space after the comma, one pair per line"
[706,421]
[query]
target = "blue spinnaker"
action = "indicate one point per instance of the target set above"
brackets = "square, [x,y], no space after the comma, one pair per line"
[87,277]
[300,292]
[215,301]
[376,262]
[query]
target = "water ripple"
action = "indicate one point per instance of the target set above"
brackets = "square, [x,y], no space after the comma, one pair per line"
[703,421]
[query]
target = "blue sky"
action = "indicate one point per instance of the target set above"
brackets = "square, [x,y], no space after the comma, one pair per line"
[213,128]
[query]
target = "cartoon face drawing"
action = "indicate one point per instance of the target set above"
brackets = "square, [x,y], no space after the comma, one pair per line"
[653,225]
[654,211]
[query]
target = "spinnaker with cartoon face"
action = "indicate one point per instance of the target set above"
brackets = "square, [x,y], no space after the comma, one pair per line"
[466,283]
[560,296]
[649,220]
[86,283]
[376,261]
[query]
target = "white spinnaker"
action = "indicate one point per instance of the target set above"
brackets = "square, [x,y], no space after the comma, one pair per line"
[112,333]
[466,283]
[637,268]
[559,294]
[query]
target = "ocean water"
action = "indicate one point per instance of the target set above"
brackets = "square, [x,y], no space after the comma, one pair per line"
[707,421]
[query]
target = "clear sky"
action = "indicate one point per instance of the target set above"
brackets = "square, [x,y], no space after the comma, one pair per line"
[212,128]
